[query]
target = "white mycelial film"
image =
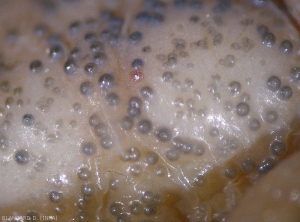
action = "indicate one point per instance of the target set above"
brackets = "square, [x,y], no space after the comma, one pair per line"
[143,110]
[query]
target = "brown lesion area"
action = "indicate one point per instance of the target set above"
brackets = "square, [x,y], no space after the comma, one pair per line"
[281,4]
[217,196]
[275,195]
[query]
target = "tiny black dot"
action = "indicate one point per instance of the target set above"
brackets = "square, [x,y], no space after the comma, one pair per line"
[22,157]
[28,120]
[36,66]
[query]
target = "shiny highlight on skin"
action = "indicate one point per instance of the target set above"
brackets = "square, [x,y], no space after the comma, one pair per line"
[164,110]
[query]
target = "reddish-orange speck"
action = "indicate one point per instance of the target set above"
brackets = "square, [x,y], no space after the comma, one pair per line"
[136,75]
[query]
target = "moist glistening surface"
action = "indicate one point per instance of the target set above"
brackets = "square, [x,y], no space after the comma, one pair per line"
[147,110]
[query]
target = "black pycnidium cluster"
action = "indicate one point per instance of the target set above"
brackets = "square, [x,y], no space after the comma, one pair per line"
[133,112]
[235,87]
[137,64]
[112,33]
[116,208]
[271,116]
[145,17]
[106,14]
[248,166]
[286,46]
[75,52]
[74,27]
[94,40]
[49,6]
[136,207]
[267,37]
[163,134]
[262,29]
[278,148]
[83,174]
[106,81]
[134,107]
[284,92]
[179,3]
[36,66]
[254,124]
[151,157]
[179,45]
[49,81]
[86,88]
[88,148]
[172,154]
[155,5]
[126,123]
[231,171]
[70,66]
[180,144]
[194,19]
[146,49]
[222,6]
[217,39]
[100,58]
[135,169]
[55,196]
[87,189]
[266,165]
[40,30]
[172,59]
[135,101]
[4,86]
[106,142]
[100,129]
[107,35]
[144,126]
[242,109]
[94,120]
[186,147]
[259,3]
[167,76]
[22,156]
[91,23]
[135,37]
[90,68]
[90,36]
[54,38]
[150,210]
[28,119]
[146,92]
[274,83]
[295,73]
[56,52]
[131,154]
[112,99]
[3,142]
[96,47]
[115,21]
[214,132]
[196,4]
[114,184]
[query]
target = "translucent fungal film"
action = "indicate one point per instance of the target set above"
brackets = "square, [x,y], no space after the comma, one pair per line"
[149,110]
